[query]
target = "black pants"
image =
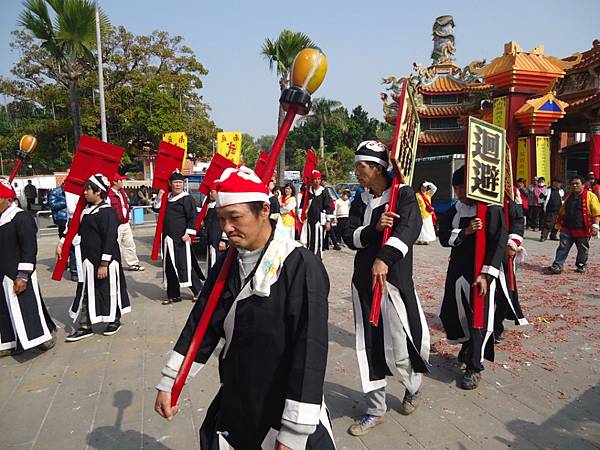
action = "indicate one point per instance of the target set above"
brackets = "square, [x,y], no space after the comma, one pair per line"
[30,201]
[84,313]
[470,353]
[173,290]
[548,226]
[535,217]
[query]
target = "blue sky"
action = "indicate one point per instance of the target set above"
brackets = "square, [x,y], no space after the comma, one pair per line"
[363,40]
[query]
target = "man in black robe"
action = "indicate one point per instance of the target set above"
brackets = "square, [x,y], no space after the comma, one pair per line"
[216,240]
[180,266]
[24,319]
[457,228]
[272,315]
[319,215]
[103,295]
[400,344]
[507,296]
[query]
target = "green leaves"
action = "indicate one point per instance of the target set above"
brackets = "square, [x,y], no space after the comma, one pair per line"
[281,52]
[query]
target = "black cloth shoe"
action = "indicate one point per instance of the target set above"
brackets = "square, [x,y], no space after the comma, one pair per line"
[581,268]
[470,380]
[74,277]
[112,328]
[45,346]
[80,334]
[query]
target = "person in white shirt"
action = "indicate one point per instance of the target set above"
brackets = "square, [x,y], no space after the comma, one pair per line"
[342,212]
[119,201]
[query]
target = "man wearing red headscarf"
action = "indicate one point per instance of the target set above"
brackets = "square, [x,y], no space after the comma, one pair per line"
[24,319]
[273,317]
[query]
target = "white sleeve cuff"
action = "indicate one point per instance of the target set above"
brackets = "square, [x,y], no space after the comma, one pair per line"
[27,267]
[453,236]
[516,239]
[171,369]
[61,240]
[301,413]
[106,257]
[398,245]
[356,237]
[190,231]
[294,438]
[491,271]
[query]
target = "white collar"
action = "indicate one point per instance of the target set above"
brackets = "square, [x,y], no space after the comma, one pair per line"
[318,191]
[93,209]
[9,214]
[177,197]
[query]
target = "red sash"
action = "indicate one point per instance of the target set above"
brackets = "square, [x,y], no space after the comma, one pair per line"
[429,207]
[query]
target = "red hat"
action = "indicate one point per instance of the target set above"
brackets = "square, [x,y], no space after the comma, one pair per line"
[315,174]
[6,191]
[119,177]
[240,185]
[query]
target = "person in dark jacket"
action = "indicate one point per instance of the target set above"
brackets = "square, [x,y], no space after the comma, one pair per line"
[552,204]
[30,194]
[57,201]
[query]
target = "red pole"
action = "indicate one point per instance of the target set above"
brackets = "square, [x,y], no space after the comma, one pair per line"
[202,214]
[509,259]
[159,226]
[15,170]
[478,300]
[61,264]
[387,232]
[217,290]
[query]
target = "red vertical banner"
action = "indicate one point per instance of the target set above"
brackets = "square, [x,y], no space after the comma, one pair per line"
[170,158]
[91,156]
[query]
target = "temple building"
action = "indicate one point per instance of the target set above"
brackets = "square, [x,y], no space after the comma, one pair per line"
[536,97]
[446,95]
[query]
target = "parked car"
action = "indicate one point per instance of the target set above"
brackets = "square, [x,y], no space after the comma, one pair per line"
[354,188]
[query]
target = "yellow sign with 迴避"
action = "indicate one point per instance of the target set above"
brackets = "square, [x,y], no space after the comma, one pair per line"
[499,112]
[229,145]
[523,158]
[486,153]
[179,139]
[542,157]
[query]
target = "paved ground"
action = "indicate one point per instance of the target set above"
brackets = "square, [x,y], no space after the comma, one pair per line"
[99,393]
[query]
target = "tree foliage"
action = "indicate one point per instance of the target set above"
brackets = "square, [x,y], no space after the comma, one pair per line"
[342,132]
[152,86]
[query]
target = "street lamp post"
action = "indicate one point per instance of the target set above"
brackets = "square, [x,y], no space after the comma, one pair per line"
[100,77]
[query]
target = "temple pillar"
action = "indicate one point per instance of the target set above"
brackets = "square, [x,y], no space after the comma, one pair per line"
[594,158]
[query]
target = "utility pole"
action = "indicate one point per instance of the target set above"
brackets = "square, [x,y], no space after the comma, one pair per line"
[100,77]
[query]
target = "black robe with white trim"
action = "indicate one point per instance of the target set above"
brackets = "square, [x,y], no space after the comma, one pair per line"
[505,295]
[456,312]
[24,318]
[319,211]
[180,219]
[378,354]
[214,236]
[272,365]
[98,231]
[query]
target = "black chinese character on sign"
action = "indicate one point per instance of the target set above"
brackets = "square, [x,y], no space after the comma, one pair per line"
[486,145]
[486,179]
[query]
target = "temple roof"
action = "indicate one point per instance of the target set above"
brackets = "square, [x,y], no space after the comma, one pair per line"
[442,137]
[446,84]
[585,60]
[514,58]
[546,103]
[443,111]
[582,99]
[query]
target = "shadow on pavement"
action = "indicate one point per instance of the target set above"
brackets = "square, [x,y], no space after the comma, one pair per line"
[113,438]
[343,401]
[341,336]
[581,433]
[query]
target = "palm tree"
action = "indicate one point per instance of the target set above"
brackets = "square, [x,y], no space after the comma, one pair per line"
[324,113]
[281,53]
[70,38]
